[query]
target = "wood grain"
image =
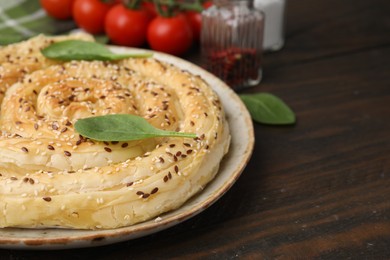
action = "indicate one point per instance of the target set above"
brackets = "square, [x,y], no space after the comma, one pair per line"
[316,190]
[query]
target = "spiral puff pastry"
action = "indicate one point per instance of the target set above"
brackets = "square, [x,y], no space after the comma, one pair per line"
[53,177]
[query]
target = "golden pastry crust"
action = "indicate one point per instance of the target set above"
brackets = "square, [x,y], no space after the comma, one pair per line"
[52,177]
[19,59]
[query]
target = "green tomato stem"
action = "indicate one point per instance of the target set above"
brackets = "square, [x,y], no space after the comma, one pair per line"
[160,9]
[132,4]
[194,6]
[168,8]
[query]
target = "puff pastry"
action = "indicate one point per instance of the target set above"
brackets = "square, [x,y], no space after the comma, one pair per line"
[50,176]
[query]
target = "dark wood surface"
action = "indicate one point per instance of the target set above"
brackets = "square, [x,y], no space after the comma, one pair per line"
[316,190]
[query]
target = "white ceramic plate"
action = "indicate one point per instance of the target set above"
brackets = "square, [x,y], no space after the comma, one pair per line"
[231,167]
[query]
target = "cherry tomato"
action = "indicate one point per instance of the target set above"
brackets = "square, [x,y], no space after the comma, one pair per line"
[172,35]
[207,4]
[195,20]
[59,9]
[90,14]
[150,7]
[127,26]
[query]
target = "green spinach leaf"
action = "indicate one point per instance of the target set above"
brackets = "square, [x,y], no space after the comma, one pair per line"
[268,109]
[84,50]
[122,127]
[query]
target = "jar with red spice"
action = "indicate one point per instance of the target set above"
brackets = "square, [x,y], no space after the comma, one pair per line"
[231,42]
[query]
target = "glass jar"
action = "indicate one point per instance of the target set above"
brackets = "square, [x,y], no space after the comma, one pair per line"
[231,42]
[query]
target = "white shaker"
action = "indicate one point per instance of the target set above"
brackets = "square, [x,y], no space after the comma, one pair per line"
[274,23]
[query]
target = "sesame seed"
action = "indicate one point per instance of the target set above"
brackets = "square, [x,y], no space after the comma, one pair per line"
[176,169]
[169,175]
[139,193]
[172,145]
[189,151]
[48,199]
[50,147]
[178,153]
[124,145]
[24,149]
[36,126]
[154,191]
[129,184]
[31,181]
[107,149]
[187,144]
[165,178]
[145,196]
[67,153]
[54,126]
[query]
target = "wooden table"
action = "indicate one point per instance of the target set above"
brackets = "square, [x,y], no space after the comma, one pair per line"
[319,189]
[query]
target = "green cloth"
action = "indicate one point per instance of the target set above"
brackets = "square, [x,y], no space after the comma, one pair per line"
[22,19]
